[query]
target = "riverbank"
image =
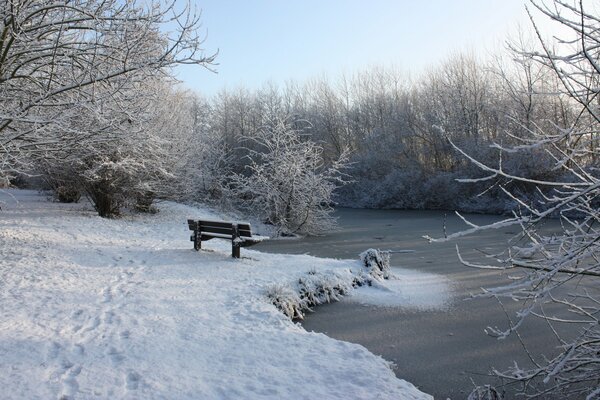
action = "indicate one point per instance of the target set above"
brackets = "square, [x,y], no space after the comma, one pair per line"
[98,308]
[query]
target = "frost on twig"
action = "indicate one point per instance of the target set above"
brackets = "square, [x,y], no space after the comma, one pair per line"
[560,269]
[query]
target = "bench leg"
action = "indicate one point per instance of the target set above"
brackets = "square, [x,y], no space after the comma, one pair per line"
[235,245]
[197,241]
[235,250]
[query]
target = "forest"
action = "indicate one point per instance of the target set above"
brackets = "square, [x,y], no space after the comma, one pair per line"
[93,109]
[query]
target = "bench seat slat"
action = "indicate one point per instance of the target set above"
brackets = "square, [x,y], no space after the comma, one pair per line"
[250,242]
[221,224]
[213,229]
[243,230]
[208,236]
[224,231]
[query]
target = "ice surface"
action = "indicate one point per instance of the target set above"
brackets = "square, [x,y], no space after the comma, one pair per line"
[408,289]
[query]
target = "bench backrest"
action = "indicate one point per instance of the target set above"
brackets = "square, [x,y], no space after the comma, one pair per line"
[220,227]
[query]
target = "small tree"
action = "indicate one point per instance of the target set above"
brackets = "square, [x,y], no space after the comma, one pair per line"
[287,183]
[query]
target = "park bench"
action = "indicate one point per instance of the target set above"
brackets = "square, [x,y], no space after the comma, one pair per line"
[239,233]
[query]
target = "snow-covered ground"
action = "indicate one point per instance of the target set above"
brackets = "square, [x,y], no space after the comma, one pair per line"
[124,309]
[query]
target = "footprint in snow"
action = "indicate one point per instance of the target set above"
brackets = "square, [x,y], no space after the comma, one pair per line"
[92,325]
[69,382]
[115,356]
[132,380]
[76,316]
[108,317]
[106,295]
[53,350]
[78,349]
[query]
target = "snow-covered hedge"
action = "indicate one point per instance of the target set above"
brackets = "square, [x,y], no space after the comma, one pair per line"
[314,288]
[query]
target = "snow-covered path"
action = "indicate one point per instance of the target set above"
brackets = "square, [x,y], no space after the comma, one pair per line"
[96,308]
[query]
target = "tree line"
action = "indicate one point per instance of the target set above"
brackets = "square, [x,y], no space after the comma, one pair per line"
[90,105]
[395,132]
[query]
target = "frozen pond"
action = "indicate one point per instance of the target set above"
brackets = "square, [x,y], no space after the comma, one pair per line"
[423,322]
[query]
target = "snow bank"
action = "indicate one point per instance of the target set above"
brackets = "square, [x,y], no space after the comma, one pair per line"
[316,287]
[407,289]
[95,308]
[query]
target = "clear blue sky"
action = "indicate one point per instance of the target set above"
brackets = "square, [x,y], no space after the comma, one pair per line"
[277,40]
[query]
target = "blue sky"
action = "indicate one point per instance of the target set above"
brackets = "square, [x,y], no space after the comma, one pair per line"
[269,40]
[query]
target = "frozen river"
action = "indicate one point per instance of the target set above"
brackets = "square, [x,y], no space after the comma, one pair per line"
[439,346]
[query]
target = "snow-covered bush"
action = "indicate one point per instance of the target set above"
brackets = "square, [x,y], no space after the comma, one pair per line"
[67,193]
[141,136]
[287,183]
[61,180]
[486,392]
[400,188]
[376,263]
[312,289]
[287,300]
[4,181]
[316,287]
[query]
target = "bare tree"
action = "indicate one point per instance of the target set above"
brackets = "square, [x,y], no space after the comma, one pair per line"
[62,58]
[559,271]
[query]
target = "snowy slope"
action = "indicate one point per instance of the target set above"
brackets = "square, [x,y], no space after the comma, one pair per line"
[124,309]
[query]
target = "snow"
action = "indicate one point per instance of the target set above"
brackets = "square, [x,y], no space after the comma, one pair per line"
[406,288]
[125,309]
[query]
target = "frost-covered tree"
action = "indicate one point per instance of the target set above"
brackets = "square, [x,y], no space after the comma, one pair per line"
[557,275]
[63,62]
[199,152]
[287,183]
[128,162]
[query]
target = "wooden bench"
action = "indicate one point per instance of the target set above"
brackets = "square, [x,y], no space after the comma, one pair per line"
[239,233]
